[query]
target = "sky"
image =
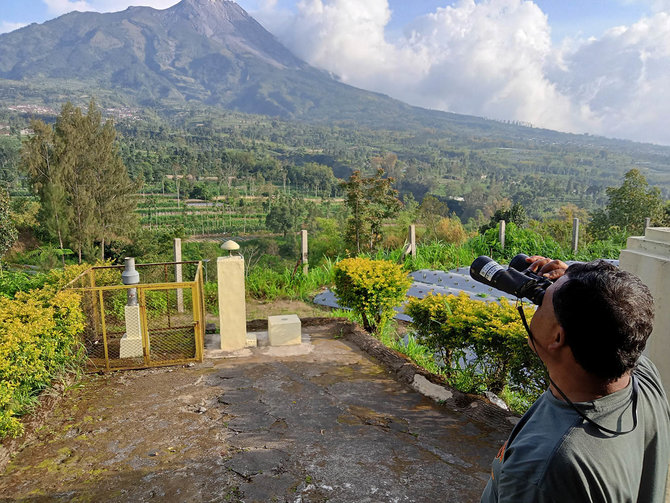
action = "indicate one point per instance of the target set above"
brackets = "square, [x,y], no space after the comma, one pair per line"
[585,66]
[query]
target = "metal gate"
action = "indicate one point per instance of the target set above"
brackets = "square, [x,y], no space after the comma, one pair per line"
[167,326]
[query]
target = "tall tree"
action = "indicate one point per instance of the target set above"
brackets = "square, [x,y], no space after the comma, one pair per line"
[285,215]
[39,161]
[75,168]
[628,206]
[370,201]
[432,210]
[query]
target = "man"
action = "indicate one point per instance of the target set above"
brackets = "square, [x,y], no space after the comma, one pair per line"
[601,432]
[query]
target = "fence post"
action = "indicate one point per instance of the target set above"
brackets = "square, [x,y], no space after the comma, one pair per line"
[501,234]
[412,240]
[303,251]
[647,223]
[177,274]
[575,234]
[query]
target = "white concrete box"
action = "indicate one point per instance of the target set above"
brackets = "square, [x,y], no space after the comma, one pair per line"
[284,330]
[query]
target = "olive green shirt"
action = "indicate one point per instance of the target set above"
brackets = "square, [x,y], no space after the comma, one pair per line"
[553,455]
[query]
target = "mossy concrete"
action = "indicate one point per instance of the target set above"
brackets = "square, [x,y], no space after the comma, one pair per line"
[331,424]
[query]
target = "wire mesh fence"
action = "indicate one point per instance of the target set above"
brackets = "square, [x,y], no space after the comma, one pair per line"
[165,326]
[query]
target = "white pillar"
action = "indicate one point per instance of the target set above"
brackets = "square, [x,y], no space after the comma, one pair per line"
[501,234]
[412,240]
[304,256]
[648,257]
[575,234]
[232,307]
[177,274]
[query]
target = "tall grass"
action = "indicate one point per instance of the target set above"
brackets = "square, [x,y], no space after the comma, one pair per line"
[270,284]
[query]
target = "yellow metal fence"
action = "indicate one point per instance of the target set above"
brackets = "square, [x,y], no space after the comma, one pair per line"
[167,327]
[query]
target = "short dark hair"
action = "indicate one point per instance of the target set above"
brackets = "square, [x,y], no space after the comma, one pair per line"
[607,315]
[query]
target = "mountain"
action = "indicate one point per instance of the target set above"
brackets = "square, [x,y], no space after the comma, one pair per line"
[206,51]
[213,53]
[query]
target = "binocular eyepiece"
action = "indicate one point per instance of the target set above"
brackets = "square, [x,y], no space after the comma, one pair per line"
[517,279]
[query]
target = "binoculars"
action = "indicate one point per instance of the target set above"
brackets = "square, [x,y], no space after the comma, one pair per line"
[517,279]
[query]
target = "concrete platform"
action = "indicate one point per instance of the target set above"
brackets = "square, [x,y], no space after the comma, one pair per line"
[329,424]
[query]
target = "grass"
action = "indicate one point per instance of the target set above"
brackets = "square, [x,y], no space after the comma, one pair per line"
[268,284]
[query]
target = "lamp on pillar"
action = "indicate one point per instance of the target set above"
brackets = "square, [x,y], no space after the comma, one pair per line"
[230,246]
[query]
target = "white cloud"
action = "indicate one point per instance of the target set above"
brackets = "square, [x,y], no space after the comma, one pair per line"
[483,58]
[494,58]
[623,78]
[6,27]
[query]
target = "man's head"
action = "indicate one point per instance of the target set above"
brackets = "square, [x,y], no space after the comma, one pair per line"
[606,314]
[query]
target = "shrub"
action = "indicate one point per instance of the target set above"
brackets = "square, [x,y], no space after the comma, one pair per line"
[517,240]
[38,341]
[371,288]
[491,332]
[211,293]
[451,230]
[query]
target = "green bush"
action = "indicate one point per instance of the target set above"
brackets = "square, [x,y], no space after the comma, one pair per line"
[492,332]
[371,288]
[211,292]
[517,240]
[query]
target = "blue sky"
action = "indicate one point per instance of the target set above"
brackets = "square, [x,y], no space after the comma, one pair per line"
[566,17]
[596,66]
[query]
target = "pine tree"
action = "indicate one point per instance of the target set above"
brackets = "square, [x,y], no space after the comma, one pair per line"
[38,159]
[75,168]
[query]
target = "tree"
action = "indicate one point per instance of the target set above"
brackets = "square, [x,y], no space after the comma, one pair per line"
[285,215]
[516,215]
[432,211]
[628,206]
[370,201]
[8,232]
[75,168]
[10,150]
[38,158]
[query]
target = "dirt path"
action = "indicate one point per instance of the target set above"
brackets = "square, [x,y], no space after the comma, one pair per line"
[318,422]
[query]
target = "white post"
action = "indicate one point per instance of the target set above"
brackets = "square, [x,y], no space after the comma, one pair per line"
[575,234]
[648,257]
[177,274]
[232,307]
[303,251]
[501,234]
[412,240]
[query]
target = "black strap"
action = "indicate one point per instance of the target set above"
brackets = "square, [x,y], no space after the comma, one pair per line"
[568,401]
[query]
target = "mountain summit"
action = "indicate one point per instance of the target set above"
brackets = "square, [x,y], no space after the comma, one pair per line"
[228,24]
[208,51]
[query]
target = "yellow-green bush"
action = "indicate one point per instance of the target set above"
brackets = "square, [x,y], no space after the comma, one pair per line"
[38,341]
[451,230]
[371,288]
[492,332]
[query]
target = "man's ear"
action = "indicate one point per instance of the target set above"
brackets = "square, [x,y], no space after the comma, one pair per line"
[559,339]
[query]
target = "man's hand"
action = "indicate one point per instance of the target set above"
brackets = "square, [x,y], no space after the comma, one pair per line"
[550,269]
